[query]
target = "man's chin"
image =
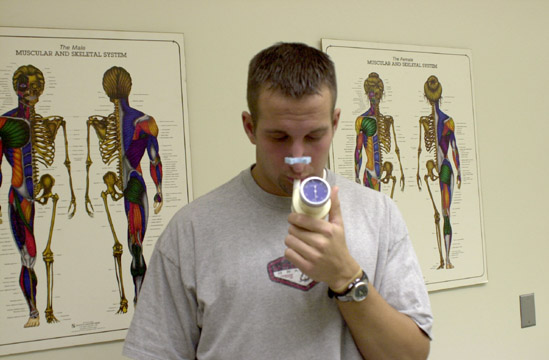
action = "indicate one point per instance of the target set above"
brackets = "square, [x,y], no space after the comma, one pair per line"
[286,187]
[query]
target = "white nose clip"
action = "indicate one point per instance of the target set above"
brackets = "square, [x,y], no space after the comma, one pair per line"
[297,160]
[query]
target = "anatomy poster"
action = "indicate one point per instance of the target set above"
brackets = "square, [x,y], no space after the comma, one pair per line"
[94,162]
[407,129]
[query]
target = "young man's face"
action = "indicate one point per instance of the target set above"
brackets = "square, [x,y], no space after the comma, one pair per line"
[289,127]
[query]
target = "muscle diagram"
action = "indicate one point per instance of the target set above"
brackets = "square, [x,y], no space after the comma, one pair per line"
[373,137]
[124,136]
[27,140]
[438,137]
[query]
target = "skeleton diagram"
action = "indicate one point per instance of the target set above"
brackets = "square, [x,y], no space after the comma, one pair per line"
[373,134]
[439,137]
[28,140]
[124,136]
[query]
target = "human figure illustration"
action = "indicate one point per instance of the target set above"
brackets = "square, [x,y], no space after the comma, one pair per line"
[27,140]
[439,137]
[373,136]
[124,136]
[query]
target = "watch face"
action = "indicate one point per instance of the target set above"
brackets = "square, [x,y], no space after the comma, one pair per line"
[360,291]
[315,191]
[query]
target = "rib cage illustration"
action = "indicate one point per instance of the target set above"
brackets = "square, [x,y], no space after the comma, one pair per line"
[43,132]
[383,128]
[110,142]
[429,136]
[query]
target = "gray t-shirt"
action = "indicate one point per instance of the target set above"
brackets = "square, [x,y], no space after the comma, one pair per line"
[218,286]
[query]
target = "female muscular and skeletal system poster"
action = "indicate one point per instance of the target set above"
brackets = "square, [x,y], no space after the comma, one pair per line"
[407,128]
[94,162]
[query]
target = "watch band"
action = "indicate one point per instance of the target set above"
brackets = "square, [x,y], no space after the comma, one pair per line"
[357,290]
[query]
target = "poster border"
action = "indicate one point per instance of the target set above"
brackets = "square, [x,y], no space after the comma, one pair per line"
[44,343]
[327,43]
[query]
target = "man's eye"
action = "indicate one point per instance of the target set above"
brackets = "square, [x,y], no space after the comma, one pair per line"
[279,138]
[313,138]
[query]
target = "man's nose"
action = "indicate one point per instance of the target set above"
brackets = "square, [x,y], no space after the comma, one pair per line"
[298,163]
[297,149]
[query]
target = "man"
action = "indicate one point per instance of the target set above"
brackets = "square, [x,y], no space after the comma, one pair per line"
[222,281]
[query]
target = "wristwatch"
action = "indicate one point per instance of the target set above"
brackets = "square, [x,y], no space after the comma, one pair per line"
[356,291]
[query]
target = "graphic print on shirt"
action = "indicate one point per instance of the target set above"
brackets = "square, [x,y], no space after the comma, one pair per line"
[284,272]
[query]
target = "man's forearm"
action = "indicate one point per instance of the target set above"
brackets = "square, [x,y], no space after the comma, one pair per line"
[381,332]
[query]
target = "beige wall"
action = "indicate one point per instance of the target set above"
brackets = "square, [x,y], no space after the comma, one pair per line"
[510,44]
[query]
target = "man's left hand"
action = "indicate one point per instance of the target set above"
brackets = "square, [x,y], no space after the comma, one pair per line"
[318,247]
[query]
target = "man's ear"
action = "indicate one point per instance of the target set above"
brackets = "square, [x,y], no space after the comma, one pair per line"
[248,124]
[335,120]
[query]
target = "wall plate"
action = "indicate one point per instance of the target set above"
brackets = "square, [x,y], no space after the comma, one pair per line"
[527,310]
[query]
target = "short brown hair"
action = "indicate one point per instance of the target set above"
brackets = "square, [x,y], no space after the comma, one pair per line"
[293,69]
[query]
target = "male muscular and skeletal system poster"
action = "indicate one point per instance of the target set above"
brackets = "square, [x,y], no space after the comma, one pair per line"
[407,128]
[94,162]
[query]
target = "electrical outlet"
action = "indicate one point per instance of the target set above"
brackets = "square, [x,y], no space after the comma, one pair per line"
[527,310]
